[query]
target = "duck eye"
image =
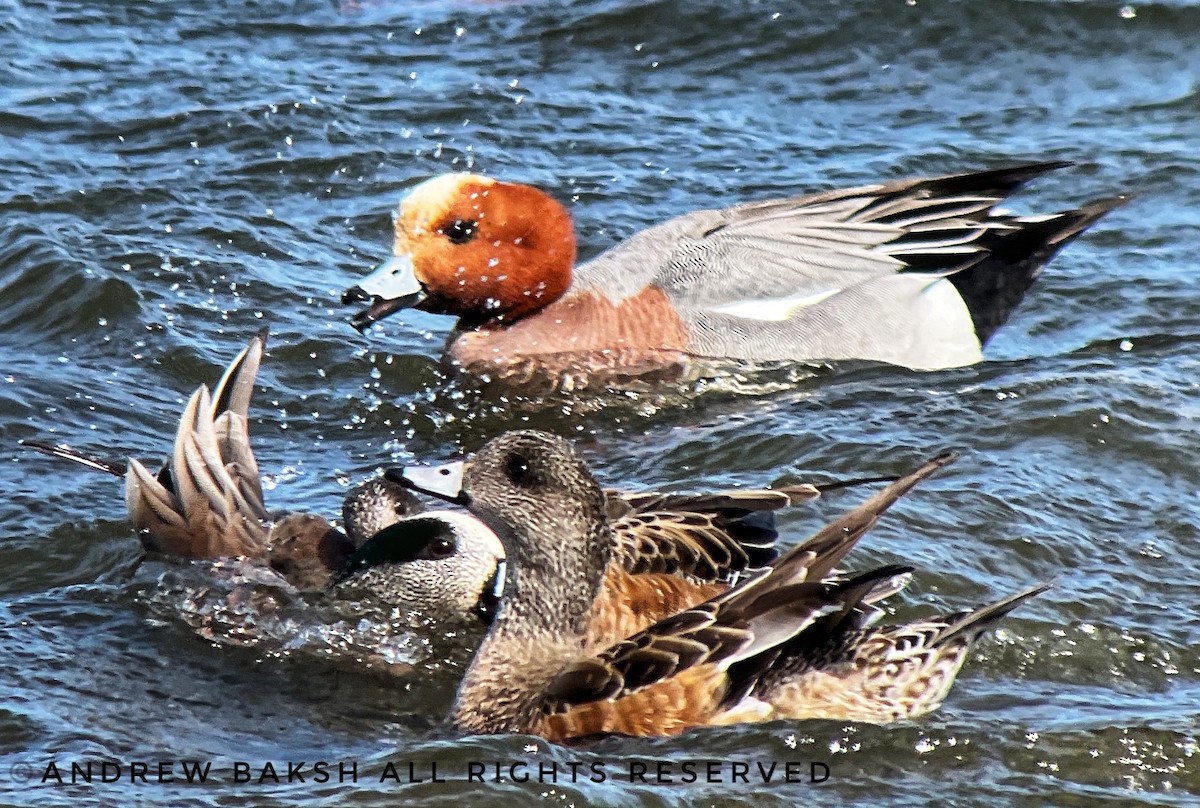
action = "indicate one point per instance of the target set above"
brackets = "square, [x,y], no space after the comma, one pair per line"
[516,467]
[460,231]
[441,548]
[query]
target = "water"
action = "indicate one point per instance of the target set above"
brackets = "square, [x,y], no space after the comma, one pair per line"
[173,176]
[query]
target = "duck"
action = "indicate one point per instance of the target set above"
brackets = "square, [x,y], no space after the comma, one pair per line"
[917,273]
[206,503]
[756,652]
[671,550]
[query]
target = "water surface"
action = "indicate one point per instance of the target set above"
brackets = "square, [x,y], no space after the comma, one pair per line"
[173,176]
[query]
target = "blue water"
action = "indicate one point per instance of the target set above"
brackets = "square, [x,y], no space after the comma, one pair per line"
[174,176]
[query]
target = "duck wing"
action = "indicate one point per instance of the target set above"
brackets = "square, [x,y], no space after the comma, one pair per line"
[810,246]
[915,272]
[876,675]
[711,537]
[696,666]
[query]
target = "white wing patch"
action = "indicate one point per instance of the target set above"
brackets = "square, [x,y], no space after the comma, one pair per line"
[909,319]
[776,309]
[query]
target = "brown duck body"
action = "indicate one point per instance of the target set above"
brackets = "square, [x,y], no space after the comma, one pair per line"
[671,551]
[878,675]
[742,655]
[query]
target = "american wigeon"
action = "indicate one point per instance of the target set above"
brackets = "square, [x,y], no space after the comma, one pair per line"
[673,550]
[722,661]
[918,273]
[207,502]
[841,669]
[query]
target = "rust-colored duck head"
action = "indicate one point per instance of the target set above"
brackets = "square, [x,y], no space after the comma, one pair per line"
[473,247]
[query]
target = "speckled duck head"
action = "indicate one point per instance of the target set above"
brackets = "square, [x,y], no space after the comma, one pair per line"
[439,567]
[374,505]
[548,510]
[544,504]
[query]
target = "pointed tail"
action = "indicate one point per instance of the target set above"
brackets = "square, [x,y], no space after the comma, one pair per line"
[117,469]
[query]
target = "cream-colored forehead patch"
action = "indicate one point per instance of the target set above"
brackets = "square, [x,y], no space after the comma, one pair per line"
[430,199]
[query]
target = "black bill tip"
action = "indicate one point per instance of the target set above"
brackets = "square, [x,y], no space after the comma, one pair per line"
[378,308]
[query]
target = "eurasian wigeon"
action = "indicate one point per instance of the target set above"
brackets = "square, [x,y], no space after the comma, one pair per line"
[918,273]
[207,503]
[726,660]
